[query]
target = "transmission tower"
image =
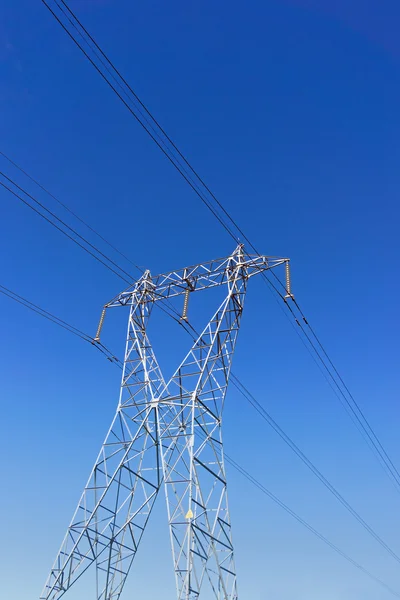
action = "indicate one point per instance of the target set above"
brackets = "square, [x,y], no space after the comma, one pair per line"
[165,433]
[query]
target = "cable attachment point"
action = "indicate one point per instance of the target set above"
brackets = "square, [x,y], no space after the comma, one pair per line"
[288,282]
[99,328]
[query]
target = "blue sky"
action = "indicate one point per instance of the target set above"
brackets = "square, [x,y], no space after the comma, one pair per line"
[289,111]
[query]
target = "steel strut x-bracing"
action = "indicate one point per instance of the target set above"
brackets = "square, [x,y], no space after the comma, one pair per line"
[165,433]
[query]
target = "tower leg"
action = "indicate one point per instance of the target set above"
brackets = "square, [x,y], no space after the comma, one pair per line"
[192,457]
[114,508]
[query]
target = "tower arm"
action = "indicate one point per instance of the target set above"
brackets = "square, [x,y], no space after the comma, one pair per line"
[198,277]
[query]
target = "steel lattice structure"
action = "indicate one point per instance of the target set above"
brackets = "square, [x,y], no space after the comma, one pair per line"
[165,433]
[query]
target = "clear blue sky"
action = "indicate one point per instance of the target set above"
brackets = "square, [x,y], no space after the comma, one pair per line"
[290,111]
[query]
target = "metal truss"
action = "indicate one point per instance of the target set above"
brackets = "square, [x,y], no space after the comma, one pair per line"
[165,433]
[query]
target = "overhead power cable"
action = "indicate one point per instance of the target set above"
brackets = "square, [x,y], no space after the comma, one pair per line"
[154,136]
[57,321]
[83,336]
[68,209]
[309,464]
[104,66]
[62,227]
[300,520]
[350,405]
[355,407]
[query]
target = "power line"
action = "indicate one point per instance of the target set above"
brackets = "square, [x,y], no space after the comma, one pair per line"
[160,137]
[357,416]
[358,413]
[57,321]
[67,208]
[302,521]
[53,224]
[81,335]
[309,464]
[153,137]
[43,313]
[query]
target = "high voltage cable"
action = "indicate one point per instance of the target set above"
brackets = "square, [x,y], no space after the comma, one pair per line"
[57,321]
[153,136]
[156,132]
[68,209]
[302,521]
[356,415]
[272,423]
[83,336]
[44,313]
[358,408]
[69,236]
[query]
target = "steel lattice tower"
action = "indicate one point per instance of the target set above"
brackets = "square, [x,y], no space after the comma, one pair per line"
[165,433]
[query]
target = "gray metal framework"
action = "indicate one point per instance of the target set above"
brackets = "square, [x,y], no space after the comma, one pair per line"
[165,432]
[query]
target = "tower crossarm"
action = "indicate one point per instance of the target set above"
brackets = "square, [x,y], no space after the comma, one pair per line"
[199,277]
